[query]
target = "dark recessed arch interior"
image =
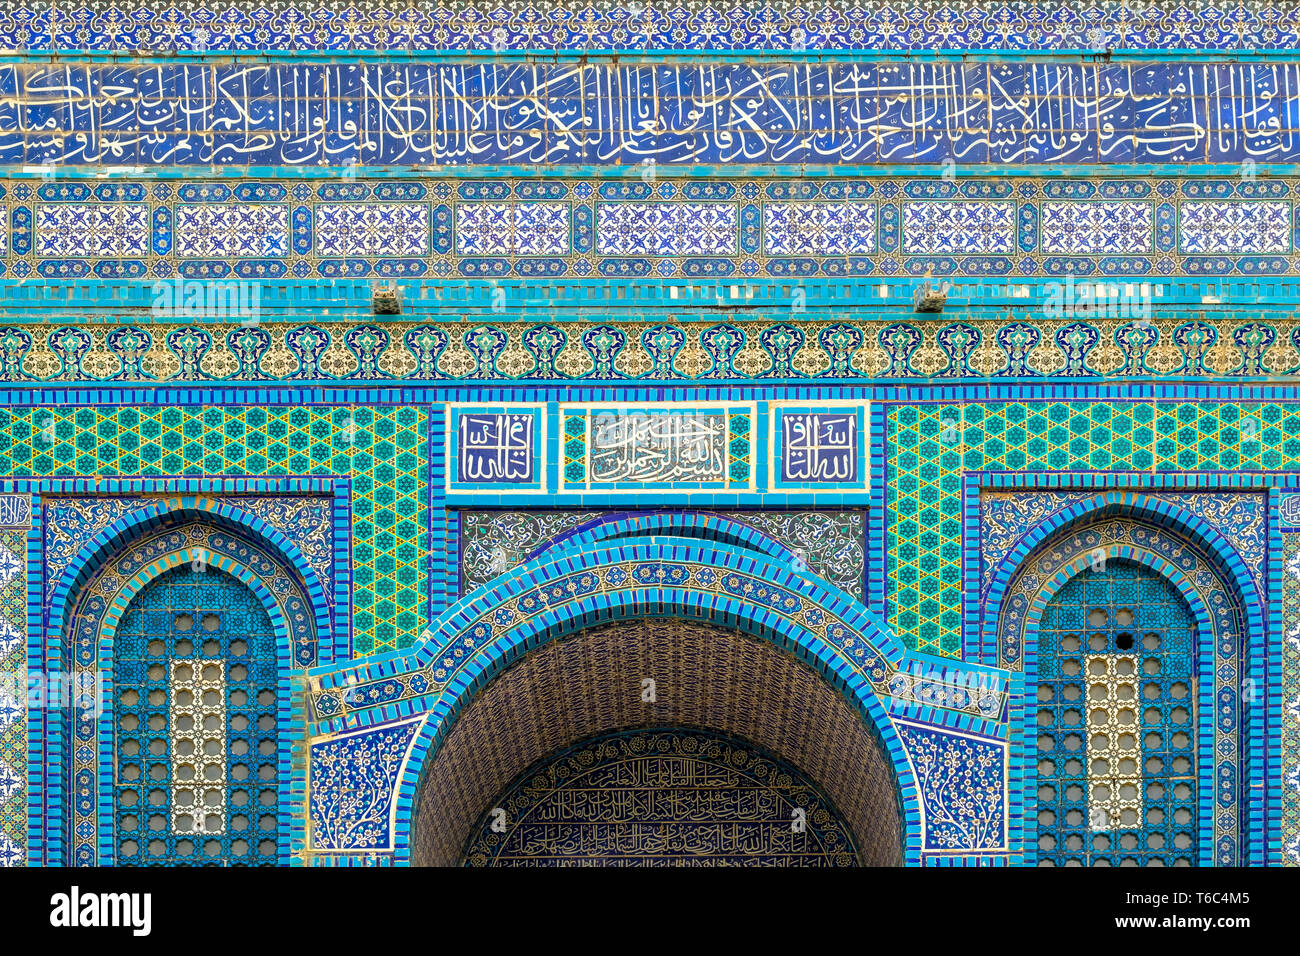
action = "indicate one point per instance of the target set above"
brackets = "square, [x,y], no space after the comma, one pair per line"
[705,676]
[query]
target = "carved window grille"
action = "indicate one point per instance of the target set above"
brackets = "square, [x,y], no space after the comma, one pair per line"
[1116,718]
[195,684]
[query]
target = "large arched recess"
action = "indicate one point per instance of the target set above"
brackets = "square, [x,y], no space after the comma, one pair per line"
[75,789]
[574,589]
[718,679]
[1230,648]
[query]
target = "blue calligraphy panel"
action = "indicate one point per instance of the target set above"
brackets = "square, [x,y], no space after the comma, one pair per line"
[665,446]
[619,114]
[819,447]
[1288,508]
[15,511]
[497,447]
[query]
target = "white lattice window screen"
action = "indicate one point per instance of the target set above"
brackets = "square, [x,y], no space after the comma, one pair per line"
[1114,752]
[198,738]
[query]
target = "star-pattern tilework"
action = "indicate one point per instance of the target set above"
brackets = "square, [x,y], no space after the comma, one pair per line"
[380,447]
[930,447]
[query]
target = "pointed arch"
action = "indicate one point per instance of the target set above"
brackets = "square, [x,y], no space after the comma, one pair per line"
[556,595]
[1228,609]
[98,589]
[104,545]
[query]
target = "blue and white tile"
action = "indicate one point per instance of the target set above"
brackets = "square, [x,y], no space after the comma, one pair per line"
[1097,228]
[949,227]
[1233,226]
[372,229]
[819,228]
[92,229]
[240,231]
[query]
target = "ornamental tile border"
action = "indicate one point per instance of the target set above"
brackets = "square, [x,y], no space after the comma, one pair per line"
[1290,725]
[1242,518]
[921,541]
[378,693]
[780,26]
[1223,662]
[70,523]
[830,542]
[91,632]
[641,226]
[13,712]
[379,449]
[955,349]
[945,687]
[1236,687]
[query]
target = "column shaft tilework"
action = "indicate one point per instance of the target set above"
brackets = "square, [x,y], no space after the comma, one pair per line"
[13,682]
[1291,701]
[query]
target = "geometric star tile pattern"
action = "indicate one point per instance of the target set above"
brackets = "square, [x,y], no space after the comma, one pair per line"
[380,447]
[930,447]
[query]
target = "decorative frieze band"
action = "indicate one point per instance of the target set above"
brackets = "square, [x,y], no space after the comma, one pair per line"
[691,25]
[650,227]
[1011,348]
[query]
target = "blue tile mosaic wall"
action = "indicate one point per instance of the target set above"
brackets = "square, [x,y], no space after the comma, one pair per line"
[937,706]
[560,430]
[377,448]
